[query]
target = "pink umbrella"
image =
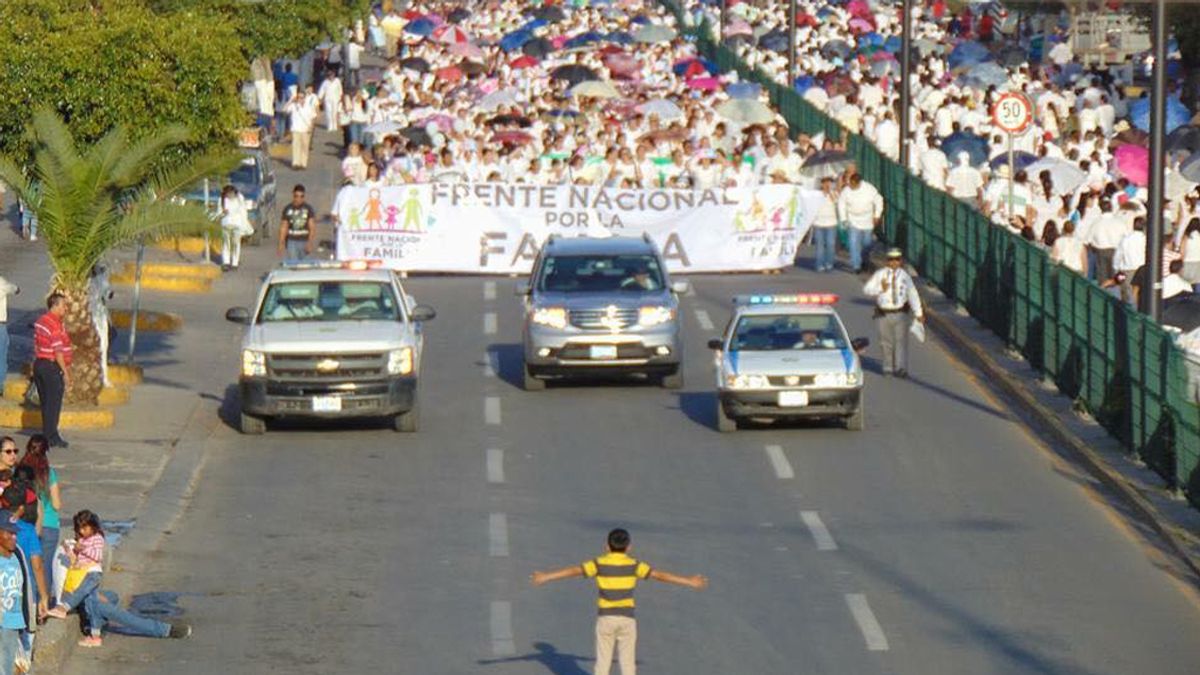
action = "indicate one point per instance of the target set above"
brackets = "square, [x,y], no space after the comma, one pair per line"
[1133,162]
[860,25]
[738,27]
[443,122]
[858,8]
[559,41]
[704,84]
[622,64]
[470,51]
[450,34]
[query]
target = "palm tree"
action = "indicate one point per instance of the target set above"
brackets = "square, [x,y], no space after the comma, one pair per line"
[92,200]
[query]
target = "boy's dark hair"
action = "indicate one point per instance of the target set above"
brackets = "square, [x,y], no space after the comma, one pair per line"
[618,540]
[54,299]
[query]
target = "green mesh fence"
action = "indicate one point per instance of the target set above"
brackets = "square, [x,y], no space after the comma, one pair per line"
[1113,361]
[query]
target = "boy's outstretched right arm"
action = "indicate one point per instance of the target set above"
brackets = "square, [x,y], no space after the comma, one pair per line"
[539,578]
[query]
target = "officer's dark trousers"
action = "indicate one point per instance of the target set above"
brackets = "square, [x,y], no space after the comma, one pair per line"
[49,380]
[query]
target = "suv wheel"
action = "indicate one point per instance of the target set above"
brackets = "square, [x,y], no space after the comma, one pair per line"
[251,425]
[674,380]
[530,382]
[409,420]
[725,423]
[857,420]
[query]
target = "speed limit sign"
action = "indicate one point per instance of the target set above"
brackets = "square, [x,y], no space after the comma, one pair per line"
[1012,113]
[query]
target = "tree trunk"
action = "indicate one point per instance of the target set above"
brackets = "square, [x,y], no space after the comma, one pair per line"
[86,377]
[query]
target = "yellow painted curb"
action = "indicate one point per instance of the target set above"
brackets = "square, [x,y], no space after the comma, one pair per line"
[168,284]
[121,375]
[16,417]
[174,270]
[15,386]
[189,245]
[153,322]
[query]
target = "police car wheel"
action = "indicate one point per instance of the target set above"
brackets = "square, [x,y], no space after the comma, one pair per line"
[674,380]
[725,423]
[251,425]
[857,421]
[531,382]
[408,421]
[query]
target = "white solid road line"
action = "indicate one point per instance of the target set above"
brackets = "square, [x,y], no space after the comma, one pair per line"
[820,533]
[489,290]
[867,623]
[501,624]
[495,465]
[491,410]
[489,323]
[498,535]
[704,320]
[783,469]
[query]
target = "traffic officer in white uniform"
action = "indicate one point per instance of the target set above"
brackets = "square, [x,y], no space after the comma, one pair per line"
[896,305]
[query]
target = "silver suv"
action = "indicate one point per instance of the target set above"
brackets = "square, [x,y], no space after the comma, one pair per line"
[600,306]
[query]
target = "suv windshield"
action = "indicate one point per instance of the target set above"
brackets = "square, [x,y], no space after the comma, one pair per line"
[600,274]
[329,301]
[778,332]
[245,176]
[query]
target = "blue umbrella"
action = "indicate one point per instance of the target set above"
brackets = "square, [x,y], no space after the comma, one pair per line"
[582,40]
[619,37]
[873,39]
[973,145]
[1021,160]
[804,83]
[968,53]
[743,90]
[824,13]
[893,44]
[776,41]
[534,24]
[1177,113]
[515,40]
[422,27]
[983,75]
[640,19]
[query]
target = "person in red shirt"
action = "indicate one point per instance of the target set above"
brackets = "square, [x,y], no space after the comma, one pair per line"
[52,361]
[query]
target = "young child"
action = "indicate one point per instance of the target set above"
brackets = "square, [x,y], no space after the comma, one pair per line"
[87,557]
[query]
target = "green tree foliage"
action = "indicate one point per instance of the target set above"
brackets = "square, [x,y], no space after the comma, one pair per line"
[107,63]
[276,28]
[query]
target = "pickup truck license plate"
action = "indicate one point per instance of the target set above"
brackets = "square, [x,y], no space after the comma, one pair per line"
[327,404]
[793,399]
[603,351]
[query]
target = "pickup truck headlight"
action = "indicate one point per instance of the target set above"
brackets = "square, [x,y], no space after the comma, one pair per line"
[836,379]
[554,317]
[254,364]
[652,316]
[400,361]
[746,381]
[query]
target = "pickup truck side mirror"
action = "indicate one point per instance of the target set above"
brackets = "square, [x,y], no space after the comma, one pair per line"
[716,343]
[238,315]
[860,344]
[680,287]
[522,289]
[422,313]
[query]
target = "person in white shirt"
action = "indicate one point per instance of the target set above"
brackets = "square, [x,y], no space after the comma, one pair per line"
[897,304]
[1103,237]
[1069,251]
[330,95]
[887,136]
[934,165]
[302,111]
[7,288]
[1130,255]
[235,224]
[825,227]
[1174,284]
[861,206]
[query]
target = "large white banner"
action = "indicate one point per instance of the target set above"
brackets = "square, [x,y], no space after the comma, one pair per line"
[499,228]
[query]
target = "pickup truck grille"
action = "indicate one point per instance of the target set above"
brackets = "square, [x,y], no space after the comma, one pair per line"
[328,367]
[598,319]
[783,380]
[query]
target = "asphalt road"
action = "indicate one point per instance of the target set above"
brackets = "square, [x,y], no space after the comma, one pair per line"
[943,539]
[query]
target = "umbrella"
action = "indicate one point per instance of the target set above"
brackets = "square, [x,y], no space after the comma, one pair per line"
[421,27]
[509,120]
[1066,176]
[860,25]
[595,89]
[1177,113]
[585,39]
[803,19]
[871,39]
[1177,186]
[551,14]
[743,90]
[653,32]
[745,111]
[967,54]
[458,14]
[450,34]
[1021,160]
[537,47]
[573,74]
[472,68]
[973,145]
[1190,169]
[515,40]
[449,73]
[498,98]
[775,41]
[858,8]
[525,61]
[804,83]
[926,47]
[1182,312]
[417,136]
[622,64]
[534,24]
[987,74]
[1012,56]
[684,65]
[1185,139]
[415,63]
[1133,162]
[839,83]
[382,128]
[882,68]
[704,84]
[827,163]
[442,121]
[619,37]
[1132,136]
[511,137]
[738,27]
[893,44]
[666,110]
[835,48]
[466,50]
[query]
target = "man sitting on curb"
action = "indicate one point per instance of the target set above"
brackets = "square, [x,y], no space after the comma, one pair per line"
[106,606]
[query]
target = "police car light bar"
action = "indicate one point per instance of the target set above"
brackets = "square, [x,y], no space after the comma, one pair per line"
[355,265]
[788,299]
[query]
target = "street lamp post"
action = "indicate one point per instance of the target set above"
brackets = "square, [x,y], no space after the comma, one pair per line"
[1150,298]
[905,75]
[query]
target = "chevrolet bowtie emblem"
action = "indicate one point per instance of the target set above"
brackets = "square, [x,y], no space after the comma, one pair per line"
[791,380]
[610,319]
[327,365]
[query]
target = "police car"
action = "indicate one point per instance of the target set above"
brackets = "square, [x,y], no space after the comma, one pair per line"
[786,357]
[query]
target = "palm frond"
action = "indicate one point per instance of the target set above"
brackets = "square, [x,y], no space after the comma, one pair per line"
[138,158]
[179,178]
[159,219]
[12,176]
[52,133]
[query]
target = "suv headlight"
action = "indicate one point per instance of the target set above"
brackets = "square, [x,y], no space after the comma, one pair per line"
[400,361]
[254,364]
[554,317]
[746,381]
[654,315]
[836,379]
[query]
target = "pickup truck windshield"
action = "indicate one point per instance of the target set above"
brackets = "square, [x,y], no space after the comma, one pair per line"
[780,332]
[600,274]
[329,301]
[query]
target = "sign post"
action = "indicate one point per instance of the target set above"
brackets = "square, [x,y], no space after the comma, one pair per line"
[1012,114]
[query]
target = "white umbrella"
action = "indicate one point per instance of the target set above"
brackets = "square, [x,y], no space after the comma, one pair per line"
[498,98]
[1177,186]
[653,32]
[595,89]
[745,111]
[385,127]
[666,110]
[1066,176]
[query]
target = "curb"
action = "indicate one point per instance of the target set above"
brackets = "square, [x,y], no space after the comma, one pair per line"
[200,270]
[15,386]
[193,285]
[1045,423]
[151,322]
[187,245]
[119,374]
[15,416]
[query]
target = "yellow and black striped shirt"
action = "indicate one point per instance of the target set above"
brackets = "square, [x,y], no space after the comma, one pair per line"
[616,576]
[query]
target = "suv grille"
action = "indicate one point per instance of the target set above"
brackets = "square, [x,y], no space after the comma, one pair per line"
[601,319]
[322,366]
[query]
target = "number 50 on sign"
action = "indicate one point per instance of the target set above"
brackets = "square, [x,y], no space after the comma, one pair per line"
[1012,112]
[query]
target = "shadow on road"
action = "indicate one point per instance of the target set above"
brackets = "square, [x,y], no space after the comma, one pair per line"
[546,655]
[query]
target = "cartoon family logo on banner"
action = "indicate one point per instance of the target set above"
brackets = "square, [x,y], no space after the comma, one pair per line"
[499,228]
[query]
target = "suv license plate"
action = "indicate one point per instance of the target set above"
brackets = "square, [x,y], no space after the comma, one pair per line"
[793,399]
[326,404]
[603,351]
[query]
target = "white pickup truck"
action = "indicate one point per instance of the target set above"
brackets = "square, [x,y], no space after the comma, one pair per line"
[330,340]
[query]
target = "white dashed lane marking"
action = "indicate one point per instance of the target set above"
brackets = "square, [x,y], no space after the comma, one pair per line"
[495,465]
[501,626]
[820,533]
[704,320]
[489,323]
[783,469]
[491,410]
[489,290]
[498,535]
[867,623]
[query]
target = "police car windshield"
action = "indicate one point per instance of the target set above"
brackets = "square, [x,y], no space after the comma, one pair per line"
[329,301]
[600,274]
[785,332]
